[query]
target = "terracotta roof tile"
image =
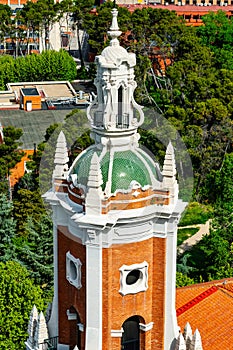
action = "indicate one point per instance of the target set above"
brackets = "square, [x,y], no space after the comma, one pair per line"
[212,314]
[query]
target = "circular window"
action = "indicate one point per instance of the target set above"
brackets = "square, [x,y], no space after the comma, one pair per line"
[73,270]
[133,276]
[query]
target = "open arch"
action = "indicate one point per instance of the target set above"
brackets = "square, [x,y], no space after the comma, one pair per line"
[75,328]
[131,336]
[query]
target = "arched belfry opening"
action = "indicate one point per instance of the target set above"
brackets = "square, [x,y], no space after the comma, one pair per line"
[131,334]
[75,327]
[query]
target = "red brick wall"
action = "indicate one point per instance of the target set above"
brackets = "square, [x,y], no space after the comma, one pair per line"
[149,305]
[68,295]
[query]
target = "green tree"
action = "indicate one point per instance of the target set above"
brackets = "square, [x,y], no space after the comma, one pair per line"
[18,295]
[5,22]
[40,15]
[10,154]
[27,204]
[183,280]
[35,250]
[217,33]
[7,229]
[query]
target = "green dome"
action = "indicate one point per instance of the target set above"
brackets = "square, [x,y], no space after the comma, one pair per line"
[127,166]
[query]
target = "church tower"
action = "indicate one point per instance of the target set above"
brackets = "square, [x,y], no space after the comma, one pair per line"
[115,219]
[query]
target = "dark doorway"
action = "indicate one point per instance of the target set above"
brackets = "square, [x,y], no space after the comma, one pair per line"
[131,336]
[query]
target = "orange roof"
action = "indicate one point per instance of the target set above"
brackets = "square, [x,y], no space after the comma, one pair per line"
[19,170]
[208,307]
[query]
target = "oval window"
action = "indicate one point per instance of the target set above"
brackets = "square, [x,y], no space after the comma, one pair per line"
[133,276]
[73,270]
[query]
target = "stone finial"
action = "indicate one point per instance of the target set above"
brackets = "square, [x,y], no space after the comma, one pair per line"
[188,334]
[196,343]
[114,31]
[169,173]
[61,157]
[41,332]
[94,190]
[32,325]
[95,179]
[180,343]
[169,166]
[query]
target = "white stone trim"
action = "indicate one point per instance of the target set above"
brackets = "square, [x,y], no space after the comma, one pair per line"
[80,327]
[146,327]
[63,347]
[117,333]
[73,266]
[140,285]
[93,297]
[71,315]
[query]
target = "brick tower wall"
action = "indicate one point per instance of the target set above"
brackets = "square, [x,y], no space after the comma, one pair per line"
[149,304]
[68,295]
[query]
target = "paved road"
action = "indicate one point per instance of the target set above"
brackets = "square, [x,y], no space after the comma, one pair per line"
[188,243]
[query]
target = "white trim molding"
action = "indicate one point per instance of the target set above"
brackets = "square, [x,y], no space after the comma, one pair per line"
[71,315]
[73,270]
[146,327]
[117,333]
[133,278]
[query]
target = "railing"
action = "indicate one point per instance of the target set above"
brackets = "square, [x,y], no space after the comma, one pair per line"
[122,121]
[50,344]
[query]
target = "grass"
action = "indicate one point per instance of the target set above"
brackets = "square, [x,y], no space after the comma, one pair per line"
[196,213]
[185,233]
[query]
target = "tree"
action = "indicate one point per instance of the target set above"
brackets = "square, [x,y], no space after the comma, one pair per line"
[5,22]
[10,154]
[7,229]
[217,33]
[18,295]
[27,204]
[78,10]
[183,280]
[35,250]
[41,16]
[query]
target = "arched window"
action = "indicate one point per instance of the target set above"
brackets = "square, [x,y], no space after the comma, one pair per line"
[131,336]
[120,111]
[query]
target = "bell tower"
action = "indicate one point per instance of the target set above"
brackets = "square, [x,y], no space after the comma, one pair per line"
[115,219]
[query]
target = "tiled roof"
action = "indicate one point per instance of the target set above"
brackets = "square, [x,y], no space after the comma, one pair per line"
[208,307]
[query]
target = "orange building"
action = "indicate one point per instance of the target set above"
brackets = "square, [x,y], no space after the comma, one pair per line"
[191,11]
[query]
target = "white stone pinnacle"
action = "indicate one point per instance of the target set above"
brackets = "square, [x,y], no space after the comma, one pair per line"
[114,31]
[95,179]
[188,331]
[32,325]
[61,156]
[169,166]
[180,343]
[196,343]
[41,332]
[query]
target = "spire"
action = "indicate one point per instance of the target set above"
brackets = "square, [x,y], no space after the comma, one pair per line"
[41,332]
[180,343]
[169,173]
[61,157]
[95,176]
[114,31]
[188,334]
[169,166]
[32,325]
[196,343]
[94,190]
